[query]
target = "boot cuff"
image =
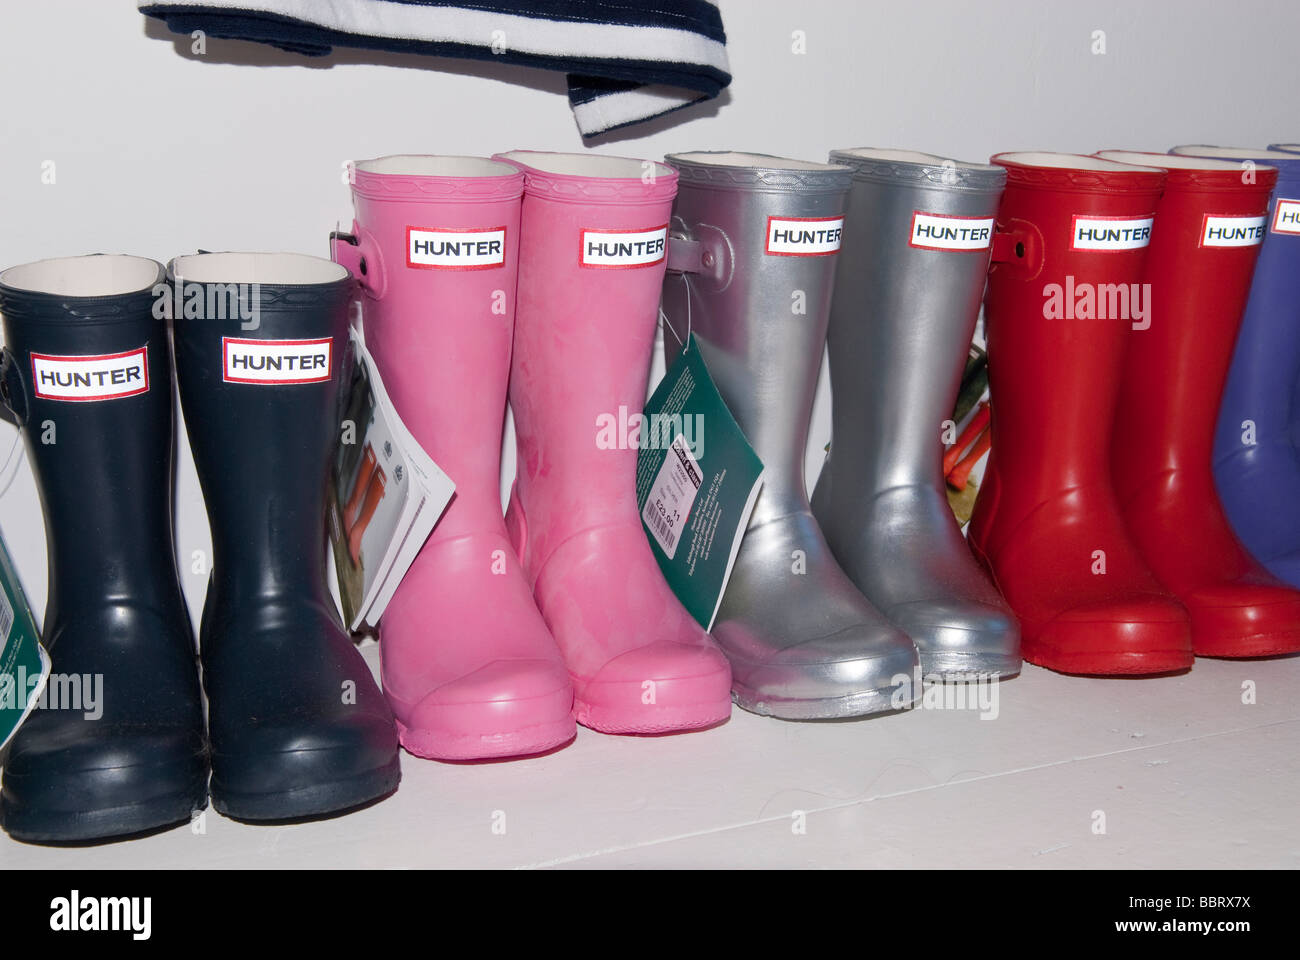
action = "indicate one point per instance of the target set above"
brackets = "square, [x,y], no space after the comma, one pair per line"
[921,169]
[94,289]
[269,281]
[1287,164]
[1201,174]
[430,178]
[1077,172]
[592,178]
[729,170]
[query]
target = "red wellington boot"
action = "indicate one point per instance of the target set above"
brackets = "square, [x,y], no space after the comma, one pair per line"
[1209,225]
[1047,523]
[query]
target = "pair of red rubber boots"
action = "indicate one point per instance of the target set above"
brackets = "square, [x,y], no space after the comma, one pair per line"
[1118,285]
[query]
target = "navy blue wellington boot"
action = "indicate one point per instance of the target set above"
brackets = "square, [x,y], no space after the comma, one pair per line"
[118,746]
[297,724]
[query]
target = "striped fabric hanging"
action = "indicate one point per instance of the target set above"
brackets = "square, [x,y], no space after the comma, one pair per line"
[626,62]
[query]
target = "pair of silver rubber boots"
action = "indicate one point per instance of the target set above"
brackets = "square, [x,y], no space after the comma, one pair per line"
[835,607]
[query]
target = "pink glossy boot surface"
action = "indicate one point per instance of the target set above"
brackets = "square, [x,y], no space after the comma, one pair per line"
[592,261]
[469,667]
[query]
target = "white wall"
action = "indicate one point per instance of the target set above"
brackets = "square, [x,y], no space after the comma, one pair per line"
[159,153]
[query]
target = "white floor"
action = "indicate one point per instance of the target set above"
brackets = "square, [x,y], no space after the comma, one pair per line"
[1169,772]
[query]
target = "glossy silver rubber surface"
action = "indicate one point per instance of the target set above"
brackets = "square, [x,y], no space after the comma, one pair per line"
[803,642]
[901,324]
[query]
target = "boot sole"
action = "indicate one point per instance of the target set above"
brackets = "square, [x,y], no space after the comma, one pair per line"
[960,666]
[440,745]
[1119,664]
[316,800]
[865,704]
[659,720]
[44,822]
[1261,645]
[680,704]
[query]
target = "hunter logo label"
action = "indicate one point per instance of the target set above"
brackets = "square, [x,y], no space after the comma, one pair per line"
[109,376]
[1110,234]
[803,236]
[276,361]
[1286,218]
[932,231]
[1232,231]
[430,248]
[623,248]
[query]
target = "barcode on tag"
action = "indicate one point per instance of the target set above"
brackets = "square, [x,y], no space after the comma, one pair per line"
[6,619]
[663,531]
[672,495]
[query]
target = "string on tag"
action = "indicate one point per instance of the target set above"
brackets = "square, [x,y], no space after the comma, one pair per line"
[663,317]
[12,462]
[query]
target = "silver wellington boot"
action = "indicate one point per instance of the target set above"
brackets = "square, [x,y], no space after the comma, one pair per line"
[755,241]
[916,251]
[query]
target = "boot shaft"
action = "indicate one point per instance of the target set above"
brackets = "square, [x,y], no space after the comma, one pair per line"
[769,231]
[593,241]
[439,237]
[1210,222]
[1261,383]
[1057,313]
[258,360]
[87,373]
[917,240]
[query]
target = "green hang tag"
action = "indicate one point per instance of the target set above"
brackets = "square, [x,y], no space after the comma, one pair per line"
[24,664]
[697,479]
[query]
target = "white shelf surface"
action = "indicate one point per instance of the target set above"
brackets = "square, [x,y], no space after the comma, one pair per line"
[1184,773]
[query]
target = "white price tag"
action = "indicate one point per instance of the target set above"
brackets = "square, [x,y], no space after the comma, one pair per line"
[672,495]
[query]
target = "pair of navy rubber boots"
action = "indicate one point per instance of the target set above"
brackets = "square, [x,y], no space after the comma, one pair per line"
[296,726]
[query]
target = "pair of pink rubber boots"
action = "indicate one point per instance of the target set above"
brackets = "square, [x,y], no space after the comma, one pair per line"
[539,274]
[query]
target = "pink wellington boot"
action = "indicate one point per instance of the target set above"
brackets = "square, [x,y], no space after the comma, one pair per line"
[592,260]
[469,667]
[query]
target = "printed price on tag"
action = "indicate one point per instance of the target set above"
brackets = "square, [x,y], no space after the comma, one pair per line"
[672,495]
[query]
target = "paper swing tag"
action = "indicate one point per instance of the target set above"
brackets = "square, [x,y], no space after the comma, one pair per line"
[696,483]
[24,664]
[386,496]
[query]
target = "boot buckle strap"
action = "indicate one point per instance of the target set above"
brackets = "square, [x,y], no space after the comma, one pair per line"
[705,255]
[1019,245]
[685,256]
[13,397]
[360,257]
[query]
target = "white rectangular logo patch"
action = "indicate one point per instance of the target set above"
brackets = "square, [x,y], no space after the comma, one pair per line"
[1232,231]
[430,248]
[1286,217]
[932,231]
[276,361]
[108,376]
[803,236]
[623,248]
[1111,233]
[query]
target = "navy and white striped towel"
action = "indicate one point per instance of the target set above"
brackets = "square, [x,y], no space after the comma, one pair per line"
[626,61]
